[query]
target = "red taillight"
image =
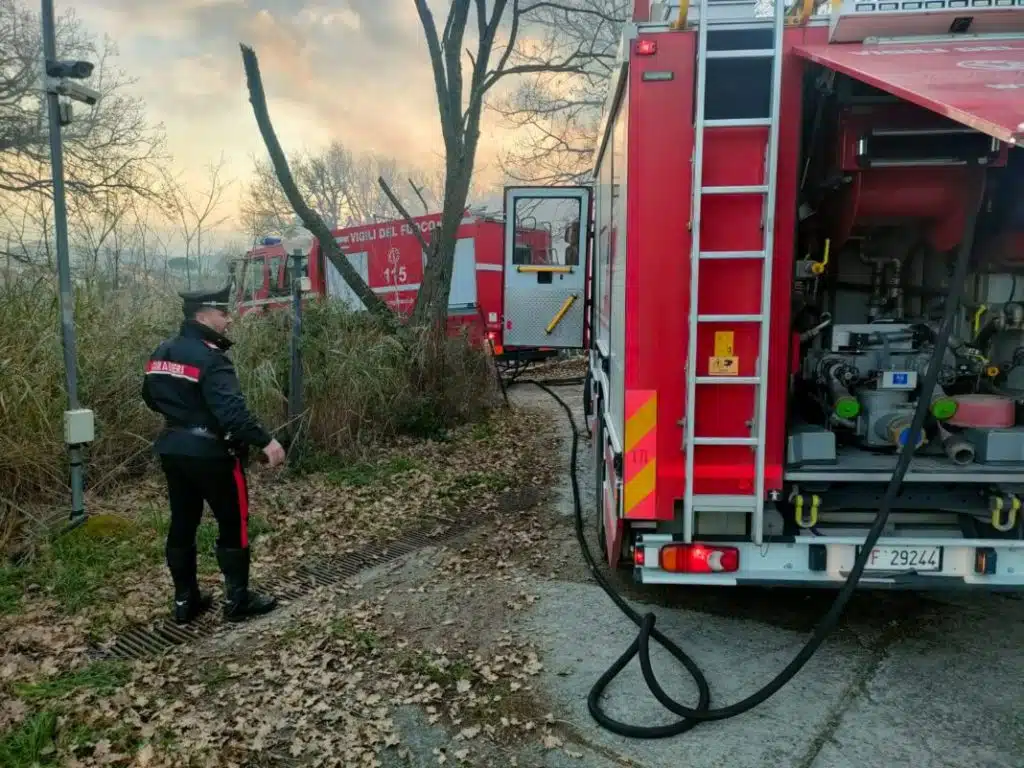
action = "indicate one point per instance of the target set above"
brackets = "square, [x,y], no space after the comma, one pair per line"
[699,558]
[646,48]
[638,555]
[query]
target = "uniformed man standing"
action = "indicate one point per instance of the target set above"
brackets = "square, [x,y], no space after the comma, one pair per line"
[203,448]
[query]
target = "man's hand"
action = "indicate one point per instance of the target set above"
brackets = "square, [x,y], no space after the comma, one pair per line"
[274,453]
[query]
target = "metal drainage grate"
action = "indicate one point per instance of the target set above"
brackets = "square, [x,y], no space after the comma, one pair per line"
[159,637]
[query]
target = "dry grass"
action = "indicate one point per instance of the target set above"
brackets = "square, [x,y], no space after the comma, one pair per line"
[363,384]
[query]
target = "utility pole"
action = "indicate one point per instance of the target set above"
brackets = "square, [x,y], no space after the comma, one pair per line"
[61,79]
[295,383]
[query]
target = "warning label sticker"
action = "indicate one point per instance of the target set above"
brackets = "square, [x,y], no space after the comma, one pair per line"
[724,344]
[724,366]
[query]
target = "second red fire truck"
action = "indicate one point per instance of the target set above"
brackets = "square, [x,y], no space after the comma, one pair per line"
[488,297]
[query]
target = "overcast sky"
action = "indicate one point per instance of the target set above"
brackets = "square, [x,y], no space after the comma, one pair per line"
[352,70]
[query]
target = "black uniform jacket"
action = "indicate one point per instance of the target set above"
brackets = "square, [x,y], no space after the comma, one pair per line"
[192,383]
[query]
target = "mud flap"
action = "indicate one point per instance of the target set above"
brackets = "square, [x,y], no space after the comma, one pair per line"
[611,510]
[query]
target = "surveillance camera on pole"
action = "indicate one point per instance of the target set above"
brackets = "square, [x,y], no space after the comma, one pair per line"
[62,79]
[75,91]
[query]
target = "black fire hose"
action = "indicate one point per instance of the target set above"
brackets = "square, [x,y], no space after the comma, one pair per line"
[693,716]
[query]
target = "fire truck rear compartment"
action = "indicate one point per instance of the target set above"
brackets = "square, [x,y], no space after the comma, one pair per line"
[885,192]
[833,185]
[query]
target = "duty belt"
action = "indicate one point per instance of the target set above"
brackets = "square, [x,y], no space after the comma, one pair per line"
[197,431]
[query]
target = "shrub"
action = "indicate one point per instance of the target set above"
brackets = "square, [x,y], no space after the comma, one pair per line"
[363,383]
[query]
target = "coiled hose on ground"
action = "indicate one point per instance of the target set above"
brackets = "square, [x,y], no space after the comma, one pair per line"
[702,712]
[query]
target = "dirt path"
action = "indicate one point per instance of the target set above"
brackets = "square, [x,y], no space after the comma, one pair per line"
[931,680]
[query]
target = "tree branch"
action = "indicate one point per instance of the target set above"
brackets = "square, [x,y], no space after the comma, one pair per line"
[405,214]
[419,194]
[437,64]
[569,10]
[310,218]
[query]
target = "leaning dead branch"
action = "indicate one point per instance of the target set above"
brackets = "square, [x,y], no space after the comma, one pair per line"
[310,218]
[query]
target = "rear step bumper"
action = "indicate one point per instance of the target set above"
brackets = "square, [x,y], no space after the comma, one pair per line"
[982,564]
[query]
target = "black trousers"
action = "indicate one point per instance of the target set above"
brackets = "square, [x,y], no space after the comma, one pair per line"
[221,484]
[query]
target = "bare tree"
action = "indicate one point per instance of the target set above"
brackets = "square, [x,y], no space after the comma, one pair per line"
[195,215]
[309,217]
[341,186]
[97,224]
[25,222]
[265,208]
[556,113]
[460,105]
[108,146]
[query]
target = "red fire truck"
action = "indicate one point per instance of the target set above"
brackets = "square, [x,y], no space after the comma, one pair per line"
[487,295]
[779,203]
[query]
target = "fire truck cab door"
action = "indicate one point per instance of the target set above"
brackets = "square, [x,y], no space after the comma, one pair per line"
[545,266]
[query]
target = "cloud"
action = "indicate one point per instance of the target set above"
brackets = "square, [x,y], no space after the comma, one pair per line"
[319,16]
[356,71]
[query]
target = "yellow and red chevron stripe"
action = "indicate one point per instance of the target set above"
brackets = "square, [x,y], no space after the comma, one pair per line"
[639,459]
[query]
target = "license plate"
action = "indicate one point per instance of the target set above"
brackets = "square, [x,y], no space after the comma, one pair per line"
[905,559]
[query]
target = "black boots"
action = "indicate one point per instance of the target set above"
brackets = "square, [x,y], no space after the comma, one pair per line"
[189,602]
[239,602]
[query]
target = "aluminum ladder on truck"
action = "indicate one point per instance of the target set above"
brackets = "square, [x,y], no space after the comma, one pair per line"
[753,504]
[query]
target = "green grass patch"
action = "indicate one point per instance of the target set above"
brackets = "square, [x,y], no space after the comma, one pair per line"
[79,568]
[215,675]
[86,559]
[31,744]
[73,568]
[34,744]
[11,590]
[417,663]
[484,430]
[364,640]
[366,474]
[103,677]
[472,481]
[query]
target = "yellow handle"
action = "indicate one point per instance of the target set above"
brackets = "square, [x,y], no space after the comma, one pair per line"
[560,314]
[541,268]
[812,518]
[801,16]
[818,268]
[1011,514]
[684,9]
[977,318]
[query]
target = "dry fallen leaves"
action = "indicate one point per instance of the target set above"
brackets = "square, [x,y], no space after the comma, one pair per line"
[320,684]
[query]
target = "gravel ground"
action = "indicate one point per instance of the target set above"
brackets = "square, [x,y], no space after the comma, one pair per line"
[923,680]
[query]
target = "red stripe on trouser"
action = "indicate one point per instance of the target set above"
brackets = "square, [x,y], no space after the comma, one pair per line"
[243,502]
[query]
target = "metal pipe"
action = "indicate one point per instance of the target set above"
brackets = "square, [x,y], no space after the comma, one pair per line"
[959,449]
[60,219]
[295,379]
